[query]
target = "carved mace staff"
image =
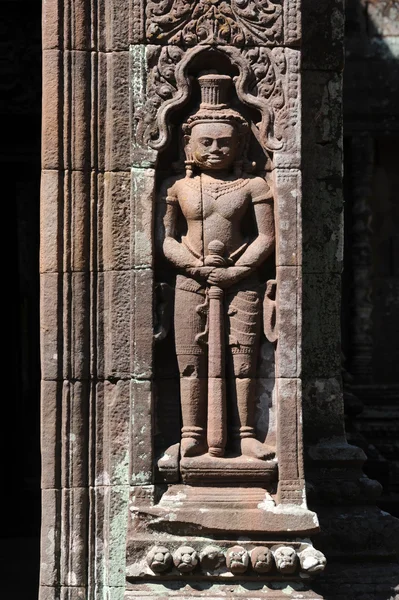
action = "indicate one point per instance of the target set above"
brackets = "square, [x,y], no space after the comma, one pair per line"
[217,426]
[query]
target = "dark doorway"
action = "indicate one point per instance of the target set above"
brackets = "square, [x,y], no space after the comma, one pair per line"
[20,107]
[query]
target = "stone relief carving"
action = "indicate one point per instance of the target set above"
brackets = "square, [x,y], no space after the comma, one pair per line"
[264,82]
[238,22]
[303,561]
[218,304]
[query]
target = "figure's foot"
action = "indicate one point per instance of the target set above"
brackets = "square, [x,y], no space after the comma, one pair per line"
[190,446]
[255,449]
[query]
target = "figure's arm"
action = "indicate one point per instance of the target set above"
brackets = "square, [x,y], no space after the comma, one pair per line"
[263,244]
[167,217]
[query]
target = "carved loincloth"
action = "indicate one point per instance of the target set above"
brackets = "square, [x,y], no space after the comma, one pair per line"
[243,315]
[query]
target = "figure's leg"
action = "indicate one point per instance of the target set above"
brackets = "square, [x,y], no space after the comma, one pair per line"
[193,397]
[192,362]
[244,312]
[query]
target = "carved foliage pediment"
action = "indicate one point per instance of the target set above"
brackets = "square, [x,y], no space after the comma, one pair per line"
[191,22]
[268,82]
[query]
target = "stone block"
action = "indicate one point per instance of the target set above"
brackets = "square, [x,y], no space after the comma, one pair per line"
[51,25]
[323,223]
[323,35]
[288,123]
[322,409]
[52,102]
[50,538]
[75,434]
[49,593]
[287,200]
[51,325]
[110,513]
[289,433]
[77,110]
[51,221]
[73,593]
[128,323]
[142,207]
[112,433]
[117,316]
[74,536]
[77,25]
[117,132]
[76,350]
[322,135]
[142,326]
[76,220]
[116,25]
[117,231]
[288,352]
[321,338]
[141,433]
[50,442]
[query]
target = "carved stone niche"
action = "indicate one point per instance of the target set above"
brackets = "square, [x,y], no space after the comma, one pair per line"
[216,141]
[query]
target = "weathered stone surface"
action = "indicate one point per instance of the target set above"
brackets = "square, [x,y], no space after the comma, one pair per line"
[288,356]
[323,35]
[76,21]
[51,108]
[109,507]
[322,408]
[50,538]
[51,30]
[51,325]
[115,25]
[321,106]
[117,224]
[75,434]
[114,434]
[141,415]
[322,245]
[289,441]
[288,203]
[142,198]
[51,406]
[142,324]
[117,120]
[74,541]
[321,339]
[76,220]
[51,240]
[117,317]
[77,110]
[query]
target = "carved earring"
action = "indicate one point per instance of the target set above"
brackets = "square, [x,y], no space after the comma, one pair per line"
[189,167]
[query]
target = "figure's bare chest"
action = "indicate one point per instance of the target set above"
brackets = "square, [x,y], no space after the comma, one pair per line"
[201,200]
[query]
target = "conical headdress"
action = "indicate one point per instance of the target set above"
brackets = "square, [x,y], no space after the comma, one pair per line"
[214,104]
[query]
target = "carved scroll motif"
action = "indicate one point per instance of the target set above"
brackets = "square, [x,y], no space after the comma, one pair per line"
[264,82]
[239,22]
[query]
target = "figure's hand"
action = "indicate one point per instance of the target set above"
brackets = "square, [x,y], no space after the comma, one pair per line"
[200,272]
[225,277]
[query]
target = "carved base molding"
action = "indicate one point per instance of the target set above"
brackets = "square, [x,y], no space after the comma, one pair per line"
[217,559]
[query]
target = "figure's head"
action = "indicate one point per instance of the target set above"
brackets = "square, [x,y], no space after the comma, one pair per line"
[215,136]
